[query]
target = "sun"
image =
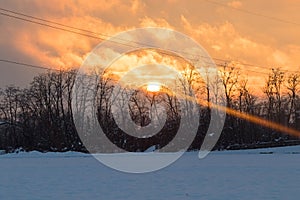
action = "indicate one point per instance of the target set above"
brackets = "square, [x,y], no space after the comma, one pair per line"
[153,87]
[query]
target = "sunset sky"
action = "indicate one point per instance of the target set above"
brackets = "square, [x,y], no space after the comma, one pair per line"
[264,34]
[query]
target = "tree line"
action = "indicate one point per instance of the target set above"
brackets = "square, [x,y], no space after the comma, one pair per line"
[41,117]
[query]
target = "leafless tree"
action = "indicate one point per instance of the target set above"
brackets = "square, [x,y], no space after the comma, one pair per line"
[230,77]
[273,90]
[293,83]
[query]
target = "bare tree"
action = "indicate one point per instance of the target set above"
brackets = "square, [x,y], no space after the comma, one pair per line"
[230,76]
[10,106]
[246,100]
[273,90]
[293,82]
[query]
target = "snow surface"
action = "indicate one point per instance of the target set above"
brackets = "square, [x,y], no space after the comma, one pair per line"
[244,174]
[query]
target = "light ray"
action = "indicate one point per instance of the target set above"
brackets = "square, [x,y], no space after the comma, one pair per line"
[242,115]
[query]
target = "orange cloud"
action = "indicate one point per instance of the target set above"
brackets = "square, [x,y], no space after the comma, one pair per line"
[235,4]
[224,41]
[154,22]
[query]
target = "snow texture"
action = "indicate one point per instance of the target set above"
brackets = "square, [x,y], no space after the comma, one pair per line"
[245,174]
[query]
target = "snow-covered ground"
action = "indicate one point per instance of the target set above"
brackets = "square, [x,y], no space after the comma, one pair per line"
[246,174]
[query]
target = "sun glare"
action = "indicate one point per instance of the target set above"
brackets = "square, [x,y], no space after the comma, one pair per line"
[153,87]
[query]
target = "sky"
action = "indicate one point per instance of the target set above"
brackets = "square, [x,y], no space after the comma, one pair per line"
[264,34]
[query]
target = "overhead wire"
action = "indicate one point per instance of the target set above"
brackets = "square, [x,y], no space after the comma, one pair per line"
[26,64]
[66,28]
[253,13]
[54,69]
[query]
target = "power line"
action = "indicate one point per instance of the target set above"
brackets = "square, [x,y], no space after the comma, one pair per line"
[27,65]
[253,13]
[67,26]
[247,70]
[90,36]
[87,31]
[95,34]
[101,38]
[48,21]
[54,26]
[264,68]
[53,69]
[97,37]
